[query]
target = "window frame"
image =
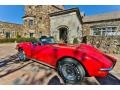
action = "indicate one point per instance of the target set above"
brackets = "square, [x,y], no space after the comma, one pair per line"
[31,22]
[106,31]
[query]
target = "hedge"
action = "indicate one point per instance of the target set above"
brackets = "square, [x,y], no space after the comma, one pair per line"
[7,40]
[25,40]
[18,40]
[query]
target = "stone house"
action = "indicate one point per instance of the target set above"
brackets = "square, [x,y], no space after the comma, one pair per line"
[54,20]
[66,25]
[10,30]
[107,24]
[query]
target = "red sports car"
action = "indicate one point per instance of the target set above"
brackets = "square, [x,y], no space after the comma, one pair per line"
[73,62]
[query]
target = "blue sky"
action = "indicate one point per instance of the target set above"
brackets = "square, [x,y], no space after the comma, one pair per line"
[14,13]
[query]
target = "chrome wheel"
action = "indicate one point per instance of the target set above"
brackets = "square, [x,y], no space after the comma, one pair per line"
[21,55]
[71,71]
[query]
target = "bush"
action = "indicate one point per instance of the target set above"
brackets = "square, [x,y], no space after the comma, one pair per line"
[26,40]
[75,41]
[18,36]
[18,40]
[11,40]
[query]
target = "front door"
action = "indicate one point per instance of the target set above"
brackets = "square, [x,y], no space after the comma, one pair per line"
[31,35]
[7,34]
[63,34]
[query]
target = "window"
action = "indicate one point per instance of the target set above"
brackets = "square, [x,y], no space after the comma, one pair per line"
[96,32]
[7,34]
[104,31]
[30,23]
[31,35]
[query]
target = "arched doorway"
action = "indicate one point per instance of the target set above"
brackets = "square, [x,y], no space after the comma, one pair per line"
[63,34]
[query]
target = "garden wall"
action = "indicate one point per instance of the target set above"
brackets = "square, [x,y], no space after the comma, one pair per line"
[108,44]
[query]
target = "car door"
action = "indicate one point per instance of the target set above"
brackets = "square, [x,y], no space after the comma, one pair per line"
[45,54]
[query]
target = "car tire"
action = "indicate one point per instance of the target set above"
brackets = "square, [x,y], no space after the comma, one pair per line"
[71,71]
[21,55]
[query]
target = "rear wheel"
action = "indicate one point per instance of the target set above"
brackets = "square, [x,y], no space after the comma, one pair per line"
[71,71]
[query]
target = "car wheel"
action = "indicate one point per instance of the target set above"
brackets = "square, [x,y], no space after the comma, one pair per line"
[21,55]
[71,71]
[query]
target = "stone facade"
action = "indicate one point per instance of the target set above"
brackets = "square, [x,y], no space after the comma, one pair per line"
[109,44]
[10,30]
[36,19]
[66,20]
[87,27]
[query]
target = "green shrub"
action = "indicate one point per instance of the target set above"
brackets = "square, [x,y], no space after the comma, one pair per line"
[18,36]
[75,41]
[18,40]
[25,40]
[11,40]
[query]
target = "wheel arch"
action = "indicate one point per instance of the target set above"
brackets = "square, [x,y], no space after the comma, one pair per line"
[60,59]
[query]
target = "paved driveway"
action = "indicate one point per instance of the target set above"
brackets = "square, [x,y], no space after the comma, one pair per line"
[7,49]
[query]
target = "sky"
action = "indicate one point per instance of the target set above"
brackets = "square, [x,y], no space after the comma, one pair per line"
[14,13]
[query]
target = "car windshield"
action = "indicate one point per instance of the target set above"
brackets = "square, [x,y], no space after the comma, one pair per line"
[47,41]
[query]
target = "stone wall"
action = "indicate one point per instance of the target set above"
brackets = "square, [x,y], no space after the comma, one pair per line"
[11,28]
[109,44]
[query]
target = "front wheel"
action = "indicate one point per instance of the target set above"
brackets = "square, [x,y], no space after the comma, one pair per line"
[71,71]
[21,55]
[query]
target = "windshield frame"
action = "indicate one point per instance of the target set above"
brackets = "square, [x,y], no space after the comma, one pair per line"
[47,40]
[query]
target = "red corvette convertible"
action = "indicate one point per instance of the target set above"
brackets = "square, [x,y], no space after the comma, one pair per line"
[73,62]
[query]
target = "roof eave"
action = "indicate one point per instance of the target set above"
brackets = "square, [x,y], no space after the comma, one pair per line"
[100,20]
[66,12]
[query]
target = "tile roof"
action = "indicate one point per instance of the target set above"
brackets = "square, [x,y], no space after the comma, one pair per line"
[102,17]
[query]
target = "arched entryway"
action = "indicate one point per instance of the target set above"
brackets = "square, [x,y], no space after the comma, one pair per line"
[63,34]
